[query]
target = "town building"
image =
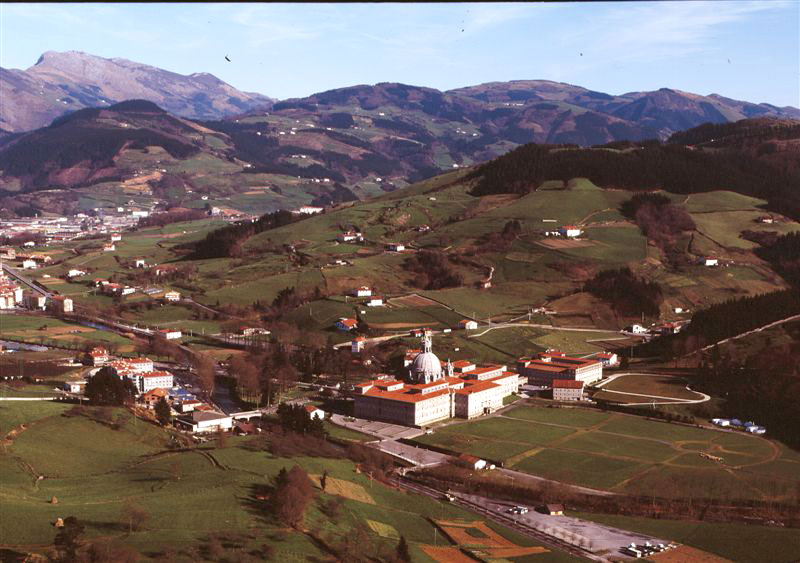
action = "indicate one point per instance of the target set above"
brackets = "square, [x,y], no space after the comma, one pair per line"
[60,304]
[567,390]
[552,365]
[11,295]
[150,380]
[99,356]
[116,237]
[152,397]
[33,301]
[435,391]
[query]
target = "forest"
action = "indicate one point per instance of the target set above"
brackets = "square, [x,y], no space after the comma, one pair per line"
[227,241]
[672,168]
[627,294]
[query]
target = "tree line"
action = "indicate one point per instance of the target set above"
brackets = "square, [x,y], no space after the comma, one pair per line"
[227,241]
[627,294]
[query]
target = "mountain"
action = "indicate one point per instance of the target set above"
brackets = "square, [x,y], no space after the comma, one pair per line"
[64,82]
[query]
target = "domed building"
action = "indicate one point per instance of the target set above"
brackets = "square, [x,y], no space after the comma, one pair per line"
[426,367]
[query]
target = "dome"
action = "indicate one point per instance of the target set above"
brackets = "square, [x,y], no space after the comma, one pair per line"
[426,368]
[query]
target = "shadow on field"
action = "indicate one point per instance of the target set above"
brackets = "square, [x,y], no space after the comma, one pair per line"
[106,526]
[257,502]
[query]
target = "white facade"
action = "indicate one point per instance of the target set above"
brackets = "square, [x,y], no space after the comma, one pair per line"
[75,273]
[363,292]
[468,325]
[152,380]
[711,262]
[375,302]
[29,264]
[172,296]
[171,334]
[207,421]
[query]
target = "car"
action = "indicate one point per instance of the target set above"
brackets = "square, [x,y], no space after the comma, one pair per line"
[518,510]
[428,431]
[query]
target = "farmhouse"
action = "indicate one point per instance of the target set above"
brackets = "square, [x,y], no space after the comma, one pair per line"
[172,296]
[109,247]
[75,273]
[466,324]
[171,334]
[29,264]
[116,237]
[362,291]
[140,263]
[350,236]
[710,262]
[375,301]
[472,462]
[314,412]
[255,331]
[567,390]
[75,386]
[345,324]
[357,344]
[569,231]
[609,359]
[636,329]
[555,365]
[308,210]
[395,247]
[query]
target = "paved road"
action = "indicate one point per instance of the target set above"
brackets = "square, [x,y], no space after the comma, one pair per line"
[381,430]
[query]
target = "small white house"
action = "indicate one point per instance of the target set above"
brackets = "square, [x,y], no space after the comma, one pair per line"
[140,263]
[375,301]
[309,210]
[637,329]
[75,273]
[75,386]
[29,264]
[466,324]
[206,421]
[395,247]
[109,248]
[29,243]
[314,412]
[710,262]
[116,237]
[172,296]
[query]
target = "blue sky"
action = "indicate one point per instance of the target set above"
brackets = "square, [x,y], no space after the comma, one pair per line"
[744,50]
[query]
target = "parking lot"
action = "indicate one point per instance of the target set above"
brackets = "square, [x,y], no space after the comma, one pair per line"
[381,430]
[588,535]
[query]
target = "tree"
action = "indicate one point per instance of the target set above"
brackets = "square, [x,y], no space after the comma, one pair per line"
[134,515]
[205,372]
[290,498]
[107,388]
[163,412]
[67,539]
[403,554]
[323,481]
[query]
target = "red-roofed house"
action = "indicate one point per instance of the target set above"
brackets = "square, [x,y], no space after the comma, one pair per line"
[467,324]
[99,356]
[609,359]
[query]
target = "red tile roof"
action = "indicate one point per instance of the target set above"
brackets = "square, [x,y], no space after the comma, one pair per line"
[567,384]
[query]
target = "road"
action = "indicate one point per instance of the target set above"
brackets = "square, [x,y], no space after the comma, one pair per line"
[759,329]
[664,400]
[25,281]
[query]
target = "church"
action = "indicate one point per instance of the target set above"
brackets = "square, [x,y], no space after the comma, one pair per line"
[435,391]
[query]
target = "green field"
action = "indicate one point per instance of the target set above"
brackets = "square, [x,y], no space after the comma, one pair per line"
[626,453]
[188,495]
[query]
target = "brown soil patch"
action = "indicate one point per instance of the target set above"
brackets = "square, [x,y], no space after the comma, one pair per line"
[457,532]
[684,553]
[413,300]
[489,202]
[346,489]
[558,243]
[446,554]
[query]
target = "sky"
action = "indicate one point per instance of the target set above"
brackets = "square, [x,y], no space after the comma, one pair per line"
[743,50]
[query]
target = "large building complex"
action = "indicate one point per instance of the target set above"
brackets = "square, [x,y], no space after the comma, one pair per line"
[436,391]
[553,364]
